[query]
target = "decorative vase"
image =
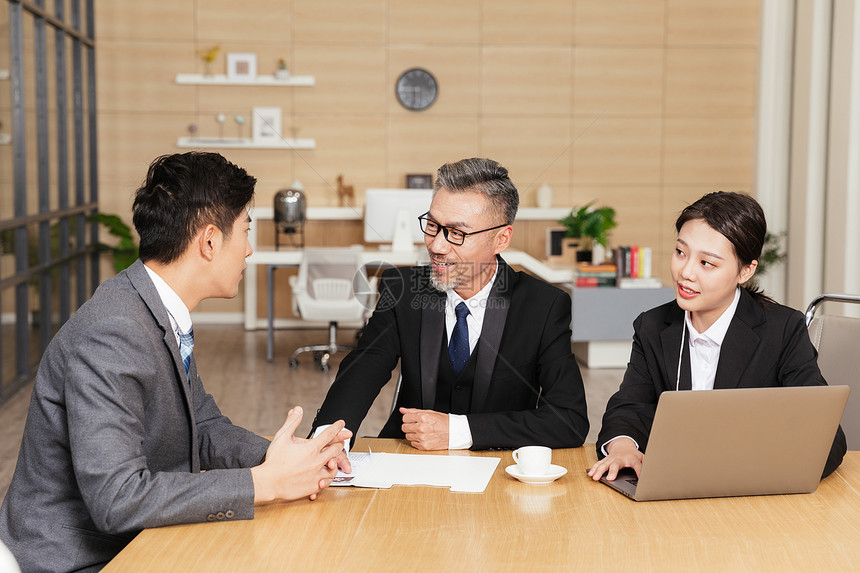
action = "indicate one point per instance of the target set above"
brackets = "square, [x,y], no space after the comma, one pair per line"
[544,196]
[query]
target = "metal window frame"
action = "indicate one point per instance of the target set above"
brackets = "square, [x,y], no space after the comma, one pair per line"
[54,269]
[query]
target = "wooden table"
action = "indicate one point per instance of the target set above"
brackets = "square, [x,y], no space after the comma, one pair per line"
[572,523]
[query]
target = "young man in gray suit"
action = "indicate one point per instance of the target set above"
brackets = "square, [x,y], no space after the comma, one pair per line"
[120,425]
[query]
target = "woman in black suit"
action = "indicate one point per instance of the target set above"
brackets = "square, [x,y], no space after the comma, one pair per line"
[719,332]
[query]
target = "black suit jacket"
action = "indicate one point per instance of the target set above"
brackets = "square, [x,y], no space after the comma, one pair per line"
[527,388]
[765,346]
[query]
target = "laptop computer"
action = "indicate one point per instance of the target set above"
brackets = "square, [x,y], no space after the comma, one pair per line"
[736,442]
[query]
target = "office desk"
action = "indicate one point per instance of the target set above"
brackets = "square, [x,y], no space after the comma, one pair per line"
[572,523]
[292,258]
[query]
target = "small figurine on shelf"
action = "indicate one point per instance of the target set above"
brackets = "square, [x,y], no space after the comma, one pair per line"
[208,56]
[282,73]
[240,121]
[220,118]
[192,129]
[345,193]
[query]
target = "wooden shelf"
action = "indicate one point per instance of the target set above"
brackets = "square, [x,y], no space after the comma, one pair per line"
[244,143]
[223,80]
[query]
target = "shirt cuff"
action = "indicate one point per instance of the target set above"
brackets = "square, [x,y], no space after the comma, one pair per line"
[603,447]
[459,434]
[345,442]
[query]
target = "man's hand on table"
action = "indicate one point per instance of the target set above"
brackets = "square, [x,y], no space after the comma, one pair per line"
[425,429]
[296,467]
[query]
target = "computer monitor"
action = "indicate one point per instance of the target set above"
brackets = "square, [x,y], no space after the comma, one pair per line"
[391,216]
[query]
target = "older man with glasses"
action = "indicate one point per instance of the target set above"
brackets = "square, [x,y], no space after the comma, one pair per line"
[484,351]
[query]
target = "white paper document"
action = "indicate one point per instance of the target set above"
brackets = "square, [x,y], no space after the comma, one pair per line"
[382,470]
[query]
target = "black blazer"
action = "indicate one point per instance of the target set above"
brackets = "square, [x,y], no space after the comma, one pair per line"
[527,388]
[765,345]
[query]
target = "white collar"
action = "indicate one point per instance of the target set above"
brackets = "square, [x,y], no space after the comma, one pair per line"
[717,331]
[477,303]
[179,315]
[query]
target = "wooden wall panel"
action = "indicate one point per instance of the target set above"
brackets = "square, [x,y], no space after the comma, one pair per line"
[620,22]
[707,23]
[420,143]
[352,146]
[348,80]
[525,80]
[618,81]
[616,150]
[711,81]
[126,63]
[529,23]
[535,150]
[411,22]
[709,150]
[639,104]
[339,21]
[250,23]
[126,21]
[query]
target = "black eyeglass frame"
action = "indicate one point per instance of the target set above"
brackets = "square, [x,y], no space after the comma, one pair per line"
[423,219]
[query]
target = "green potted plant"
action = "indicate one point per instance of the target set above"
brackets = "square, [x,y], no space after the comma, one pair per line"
[125,250]
[772,252]
[590,225]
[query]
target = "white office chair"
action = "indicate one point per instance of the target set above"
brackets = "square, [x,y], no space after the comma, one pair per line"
[835,338]
[332,285]
[8,564]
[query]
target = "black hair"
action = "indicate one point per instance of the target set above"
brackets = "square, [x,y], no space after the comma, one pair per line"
[182,193]
[740,219]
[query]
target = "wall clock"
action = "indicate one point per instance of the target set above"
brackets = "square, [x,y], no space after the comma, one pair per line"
[416,89]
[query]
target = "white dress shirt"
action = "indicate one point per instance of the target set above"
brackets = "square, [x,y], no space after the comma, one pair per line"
[459,433]
[176,309]
[705,347]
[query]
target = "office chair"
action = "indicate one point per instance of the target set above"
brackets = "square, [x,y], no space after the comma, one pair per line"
[332,285]
[835,338]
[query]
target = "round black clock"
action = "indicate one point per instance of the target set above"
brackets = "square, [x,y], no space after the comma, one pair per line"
[416,89]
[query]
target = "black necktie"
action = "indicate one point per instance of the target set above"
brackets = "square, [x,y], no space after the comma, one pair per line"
[458,348]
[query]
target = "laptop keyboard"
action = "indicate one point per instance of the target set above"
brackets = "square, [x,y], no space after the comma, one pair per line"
[632,481]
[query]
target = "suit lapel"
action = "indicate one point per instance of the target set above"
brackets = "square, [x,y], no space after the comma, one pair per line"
[495,316]
[670,339]
[430,338]
[146,289]
[740,343]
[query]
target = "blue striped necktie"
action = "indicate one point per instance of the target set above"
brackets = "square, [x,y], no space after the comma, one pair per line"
[458,347]
[186,346]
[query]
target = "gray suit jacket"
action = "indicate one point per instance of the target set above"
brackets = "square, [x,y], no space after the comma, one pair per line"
[117,435]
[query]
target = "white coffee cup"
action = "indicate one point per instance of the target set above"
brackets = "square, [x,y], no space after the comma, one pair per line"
[533,460]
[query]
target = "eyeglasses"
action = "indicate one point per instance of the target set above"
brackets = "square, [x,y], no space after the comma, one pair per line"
[453,235]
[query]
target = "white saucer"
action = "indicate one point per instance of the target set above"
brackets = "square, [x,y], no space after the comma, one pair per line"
[553,474]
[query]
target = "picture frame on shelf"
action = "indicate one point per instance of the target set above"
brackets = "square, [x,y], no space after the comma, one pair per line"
[266,125]
[241,66]
[419,181]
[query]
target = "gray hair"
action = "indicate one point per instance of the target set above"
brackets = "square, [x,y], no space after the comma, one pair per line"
[484,176]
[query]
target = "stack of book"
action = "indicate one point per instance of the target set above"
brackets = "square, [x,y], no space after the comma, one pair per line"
[634,267]
[588,275]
